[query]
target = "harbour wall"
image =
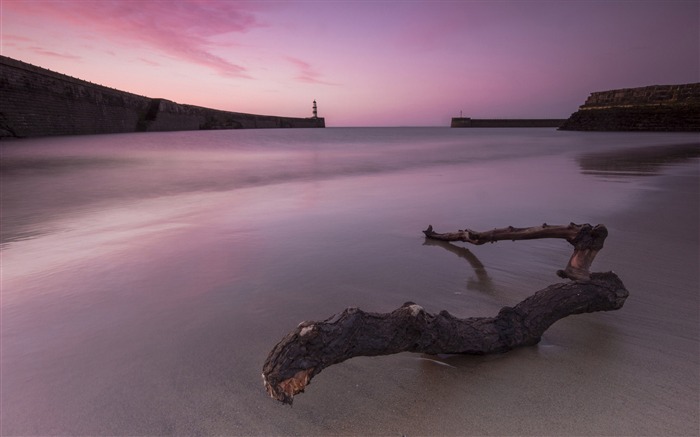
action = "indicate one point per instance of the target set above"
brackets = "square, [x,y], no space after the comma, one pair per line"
[38,102]
[651,108]
[505,122]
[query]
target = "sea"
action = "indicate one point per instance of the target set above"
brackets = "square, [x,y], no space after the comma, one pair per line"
[146,276]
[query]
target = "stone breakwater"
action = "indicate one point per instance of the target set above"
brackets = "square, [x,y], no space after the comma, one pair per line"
[505,122]
[651,108]
[38,102]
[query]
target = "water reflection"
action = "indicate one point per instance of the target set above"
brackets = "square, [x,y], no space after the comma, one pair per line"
[483,281]
[22,165]
[638,161]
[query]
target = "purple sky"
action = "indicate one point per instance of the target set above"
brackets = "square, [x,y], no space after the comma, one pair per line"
[367,63]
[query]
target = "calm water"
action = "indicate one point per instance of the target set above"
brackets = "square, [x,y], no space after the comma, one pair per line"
[145,277]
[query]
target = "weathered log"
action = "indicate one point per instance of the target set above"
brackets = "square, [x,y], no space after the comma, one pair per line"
[313,346]
[587,241]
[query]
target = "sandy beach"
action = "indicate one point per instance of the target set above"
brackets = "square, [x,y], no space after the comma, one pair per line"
[128,315]
[630,372]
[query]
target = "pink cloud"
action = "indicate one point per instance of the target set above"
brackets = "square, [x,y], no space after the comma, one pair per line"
[182,29]
[149,62]
[44,52]
[307,73]
[16,38]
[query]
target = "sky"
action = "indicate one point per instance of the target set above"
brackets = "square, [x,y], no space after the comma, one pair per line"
[366,63]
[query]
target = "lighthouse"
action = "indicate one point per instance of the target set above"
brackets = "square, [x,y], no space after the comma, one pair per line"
[315,110]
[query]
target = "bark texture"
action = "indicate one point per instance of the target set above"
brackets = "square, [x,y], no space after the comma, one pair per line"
[587,241]
[313,346]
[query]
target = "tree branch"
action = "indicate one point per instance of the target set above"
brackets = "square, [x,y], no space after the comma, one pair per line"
[586,239]
[313,346]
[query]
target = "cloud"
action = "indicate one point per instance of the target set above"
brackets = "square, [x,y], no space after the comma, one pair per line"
[16,38]
[44,52]
[307,73]
[183,29]
[149,62]
[13,41]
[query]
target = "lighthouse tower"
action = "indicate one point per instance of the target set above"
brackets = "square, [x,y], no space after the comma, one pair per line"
[315,110]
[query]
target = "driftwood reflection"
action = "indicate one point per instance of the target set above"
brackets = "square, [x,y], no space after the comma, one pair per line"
[483,281]
[637,161]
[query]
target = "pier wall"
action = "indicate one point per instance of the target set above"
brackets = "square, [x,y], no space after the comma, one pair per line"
[505,122]
[651,108]
[38,102]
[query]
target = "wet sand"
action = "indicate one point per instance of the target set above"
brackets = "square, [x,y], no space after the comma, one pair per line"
[154,318]
[635,371]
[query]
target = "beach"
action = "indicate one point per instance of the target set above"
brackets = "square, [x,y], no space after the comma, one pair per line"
[151,312]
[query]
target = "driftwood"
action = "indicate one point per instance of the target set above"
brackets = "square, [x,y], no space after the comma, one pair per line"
[586,239]
[313,346]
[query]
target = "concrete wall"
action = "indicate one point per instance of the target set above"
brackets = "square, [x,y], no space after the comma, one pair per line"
[505,122]
[652,108]
[39,102]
